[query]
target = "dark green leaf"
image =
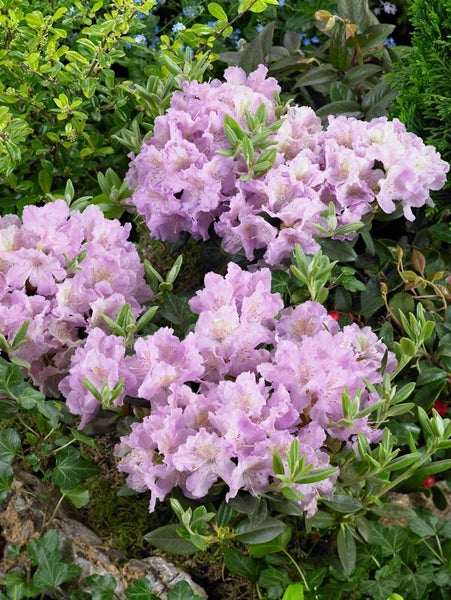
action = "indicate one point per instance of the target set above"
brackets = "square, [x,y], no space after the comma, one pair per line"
[183,591]
[6,479]
[357,12]
[102,586]
[247,533]
[167,539]
[140,589]
[342,107]
[360,73]
[71,468]
[391,540]
[415,583]
[396,511]
[276,545]
[9,444]
[8,408]
[176,310]
[241,565]
[347,550]
[256,51]
[344,504]
[274,581]
[338,250]
[317,75]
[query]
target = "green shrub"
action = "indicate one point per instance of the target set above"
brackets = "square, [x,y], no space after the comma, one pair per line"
[422,79]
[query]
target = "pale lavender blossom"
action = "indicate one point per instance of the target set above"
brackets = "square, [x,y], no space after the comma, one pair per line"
[182,184]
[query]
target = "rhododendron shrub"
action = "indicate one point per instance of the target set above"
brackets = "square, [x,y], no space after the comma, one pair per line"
[60,271]
[182,183]
[249,379]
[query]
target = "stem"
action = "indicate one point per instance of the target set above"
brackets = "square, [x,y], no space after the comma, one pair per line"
[298,569]
[55,511]
[440,557]
[228,24]
[410,471]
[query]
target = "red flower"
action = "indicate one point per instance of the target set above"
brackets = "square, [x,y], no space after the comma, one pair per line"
[337,315]
[440,407]
[429,481]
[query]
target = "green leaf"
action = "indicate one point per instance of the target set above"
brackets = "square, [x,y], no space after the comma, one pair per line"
[79,495]
[217,11]
[71,468]
[140,589]
[342,107]
[278,544]
[360,73]
[51,572]
[267,530]
[10,444]
[274,581]
[357,12]
[176,310]
[102,586]
[347,550]
[183,591]
[338,250]
[316,76]
[167,539]
[45,181]
[396,511]
[295,591]
[88,87]
[344,504]
[241,565]
[6,479]
[8,408]
[415,584]
[391,540]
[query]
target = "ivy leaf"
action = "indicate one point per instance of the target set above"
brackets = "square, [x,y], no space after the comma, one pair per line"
[183,591]
[9,445]
[6,479]
[102,586]
[71,468]
[140,590]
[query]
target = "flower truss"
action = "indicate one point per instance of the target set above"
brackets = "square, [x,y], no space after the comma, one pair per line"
[249,379]
[182,180]
[60,271]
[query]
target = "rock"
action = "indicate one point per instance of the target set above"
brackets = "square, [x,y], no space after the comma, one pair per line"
[23,517]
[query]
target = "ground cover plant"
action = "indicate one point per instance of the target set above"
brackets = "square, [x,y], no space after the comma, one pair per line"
[266,415]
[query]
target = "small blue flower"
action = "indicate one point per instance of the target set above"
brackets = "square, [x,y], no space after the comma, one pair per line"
[315,39]
[389,42]
[190,11]
[140,39]
[281,3]
[178,27]
[259,28]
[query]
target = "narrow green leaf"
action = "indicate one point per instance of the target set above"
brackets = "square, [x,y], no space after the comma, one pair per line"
[347,551]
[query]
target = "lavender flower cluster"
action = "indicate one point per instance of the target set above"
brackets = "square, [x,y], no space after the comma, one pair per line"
[60,271]
[181,182]
[251,377]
